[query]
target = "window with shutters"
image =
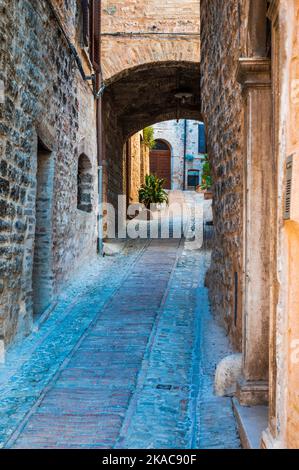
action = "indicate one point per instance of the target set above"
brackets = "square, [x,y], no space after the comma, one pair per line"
[91,29]
[202,147]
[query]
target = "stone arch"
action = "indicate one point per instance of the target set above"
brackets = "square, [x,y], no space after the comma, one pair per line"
[144,95]
[111,68]
[85,184]
[140,33]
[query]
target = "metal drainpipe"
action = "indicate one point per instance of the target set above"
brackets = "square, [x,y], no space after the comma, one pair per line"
[185,152]
[100,149]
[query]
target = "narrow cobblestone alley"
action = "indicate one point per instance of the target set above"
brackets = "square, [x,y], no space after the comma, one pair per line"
[124,363]
[149,226]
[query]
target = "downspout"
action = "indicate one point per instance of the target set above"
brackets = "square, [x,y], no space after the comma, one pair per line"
[100,147]
[185,153]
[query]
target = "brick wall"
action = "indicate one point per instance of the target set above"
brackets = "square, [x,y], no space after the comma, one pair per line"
[114,163]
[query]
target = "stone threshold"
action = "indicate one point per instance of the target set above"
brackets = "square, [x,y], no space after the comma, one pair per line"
[252,421]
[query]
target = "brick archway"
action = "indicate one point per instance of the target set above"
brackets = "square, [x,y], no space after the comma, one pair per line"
[135,34]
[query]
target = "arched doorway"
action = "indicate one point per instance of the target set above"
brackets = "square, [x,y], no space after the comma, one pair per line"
[160,162]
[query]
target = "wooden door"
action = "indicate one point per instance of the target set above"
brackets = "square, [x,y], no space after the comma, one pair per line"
[160,165]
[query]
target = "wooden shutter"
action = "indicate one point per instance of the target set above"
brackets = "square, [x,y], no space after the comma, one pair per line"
[202,148]
[95,46]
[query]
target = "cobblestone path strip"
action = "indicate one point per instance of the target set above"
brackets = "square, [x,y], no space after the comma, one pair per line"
[86,402]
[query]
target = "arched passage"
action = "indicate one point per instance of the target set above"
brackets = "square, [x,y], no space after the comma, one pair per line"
[139,97]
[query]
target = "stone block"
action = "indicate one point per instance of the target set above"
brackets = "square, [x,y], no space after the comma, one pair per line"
[228,372]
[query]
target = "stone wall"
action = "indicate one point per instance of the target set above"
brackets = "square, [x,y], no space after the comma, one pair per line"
[223,114]
[145,162]
[139,165]
[48,105]
[135,166]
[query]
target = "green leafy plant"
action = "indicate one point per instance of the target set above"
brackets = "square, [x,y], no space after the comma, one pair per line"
[148,137]
[207,180]
[152,192]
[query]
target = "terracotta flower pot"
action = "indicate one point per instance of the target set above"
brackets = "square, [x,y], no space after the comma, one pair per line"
[208,194]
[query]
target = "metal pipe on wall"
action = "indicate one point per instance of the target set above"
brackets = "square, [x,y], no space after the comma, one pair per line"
[100,146]
[185,153]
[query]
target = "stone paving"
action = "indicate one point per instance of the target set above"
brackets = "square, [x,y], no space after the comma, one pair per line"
[126,360]
[31,364]
[174,404]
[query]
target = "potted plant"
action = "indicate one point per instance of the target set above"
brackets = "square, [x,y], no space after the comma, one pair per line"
[152,194]
[207,181]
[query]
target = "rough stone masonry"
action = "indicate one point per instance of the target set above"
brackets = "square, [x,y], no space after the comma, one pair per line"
[47,120]
[223,113]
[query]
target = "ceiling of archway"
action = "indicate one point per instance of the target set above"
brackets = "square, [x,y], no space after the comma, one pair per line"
[147,95]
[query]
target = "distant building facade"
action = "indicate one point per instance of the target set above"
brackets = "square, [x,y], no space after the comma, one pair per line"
[179,152]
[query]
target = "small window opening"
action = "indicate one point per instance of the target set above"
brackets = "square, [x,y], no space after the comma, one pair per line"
[193,178]
[85,184]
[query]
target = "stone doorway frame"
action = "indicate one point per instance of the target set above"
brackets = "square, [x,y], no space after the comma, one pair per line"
[42,280]
[260,221]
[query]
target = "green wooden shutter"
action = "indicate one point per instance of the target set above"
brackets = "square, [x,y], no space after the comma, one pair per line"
[202,146]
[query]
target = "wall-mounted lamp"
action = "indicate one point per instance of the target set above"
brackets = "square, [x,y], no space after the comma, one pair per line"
[182,96]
